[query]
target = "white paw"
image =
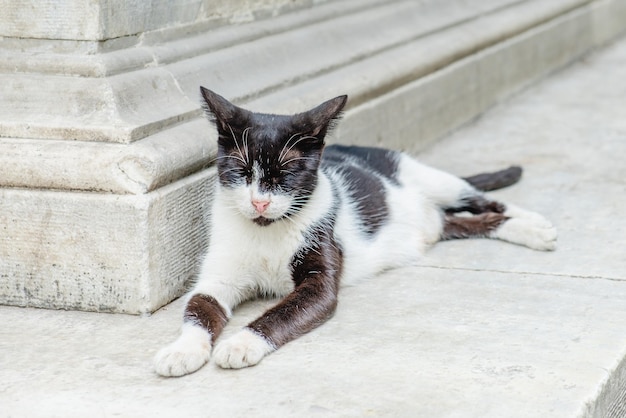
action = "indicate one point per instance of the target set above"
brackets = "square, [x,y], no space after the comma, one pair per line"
[243,349]
[538,220]
[185,355]
[531,230]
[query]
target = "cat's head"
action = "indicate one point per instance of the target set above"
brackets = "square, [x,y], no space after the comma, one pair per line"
[267,164]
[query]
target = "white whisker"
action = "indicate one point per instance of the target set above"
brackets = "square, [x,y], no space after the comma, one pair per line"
[284,150]
[246,132]
[302,138]
[229,170]
[236,157]
[243,159]
[296,159]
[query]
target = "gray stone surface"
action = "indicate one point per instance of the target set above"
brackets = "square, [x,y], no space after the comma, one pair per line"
[99,20]
[102,252]
[481,329]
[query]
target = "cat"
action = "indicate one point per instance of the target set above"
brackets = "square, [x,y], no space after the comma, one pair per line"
[294,218]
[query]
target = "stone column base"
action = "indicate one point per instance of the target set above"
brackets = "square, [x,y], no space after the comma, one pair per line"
[102,252]
[104,186]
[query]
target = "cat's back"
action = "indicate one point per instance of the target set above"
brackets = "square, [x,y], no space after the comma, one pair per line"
[357,161]
[363,176]
[379,221]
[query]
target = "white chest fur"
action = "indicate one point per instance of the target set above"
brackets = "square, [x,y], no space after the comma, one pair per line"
[248,258]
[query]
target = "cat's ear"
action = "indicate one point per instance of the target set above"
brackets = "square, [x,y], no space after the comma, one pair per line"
[323,117]
[225,114]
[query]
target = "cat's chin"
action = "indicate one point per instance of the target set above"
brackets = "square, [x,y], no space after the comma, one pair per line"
[262,221]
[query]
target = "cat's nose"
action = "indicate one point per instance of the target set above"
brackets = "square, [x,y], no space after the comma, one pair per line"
[260,205]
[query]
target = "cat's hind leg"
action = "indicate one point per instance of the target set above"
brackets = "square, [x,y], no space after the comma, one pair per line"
[455,197]
[493,219]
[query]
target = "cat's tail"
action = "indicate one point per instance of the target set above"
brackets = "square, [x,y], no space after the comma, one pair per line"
[496,180]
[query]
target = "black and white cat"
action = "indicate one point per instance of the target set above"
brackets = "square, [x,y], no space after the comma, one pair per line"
[294,218]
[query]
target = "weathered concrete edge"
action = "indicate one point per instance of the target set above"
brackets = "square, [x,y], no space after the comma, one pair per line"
[136,168]
[102,252]
[610,399]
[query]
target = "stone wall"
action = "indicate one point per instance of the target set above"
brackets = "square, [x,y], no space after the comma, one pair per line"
[105,157]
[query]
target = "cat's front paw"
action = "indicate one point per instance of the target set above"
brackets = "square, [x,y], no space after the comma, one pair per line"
[243,349]
[187,354]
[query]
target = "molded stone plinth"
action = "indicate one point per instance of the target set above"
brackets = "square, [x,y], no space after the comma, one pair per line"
[104,186]
[102,252]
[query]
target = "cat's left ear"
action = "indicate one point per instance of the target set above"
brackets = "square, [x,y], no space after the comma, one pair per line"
[323,117]
[226,115]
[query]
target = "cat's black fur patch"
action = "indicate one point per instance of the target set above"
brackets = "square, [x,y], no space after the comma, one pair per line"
[488,215]
[379,160]
[316,270]
[311,258]
[477,226]
[363,170]
[205,311]
[476,204]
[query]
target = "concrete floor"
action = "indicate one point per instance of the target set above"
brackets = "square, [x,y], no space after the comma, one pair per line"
[481,329]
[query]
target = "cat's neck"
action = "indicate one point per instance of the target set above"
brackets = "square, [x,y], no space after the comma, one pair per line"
[319,204]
